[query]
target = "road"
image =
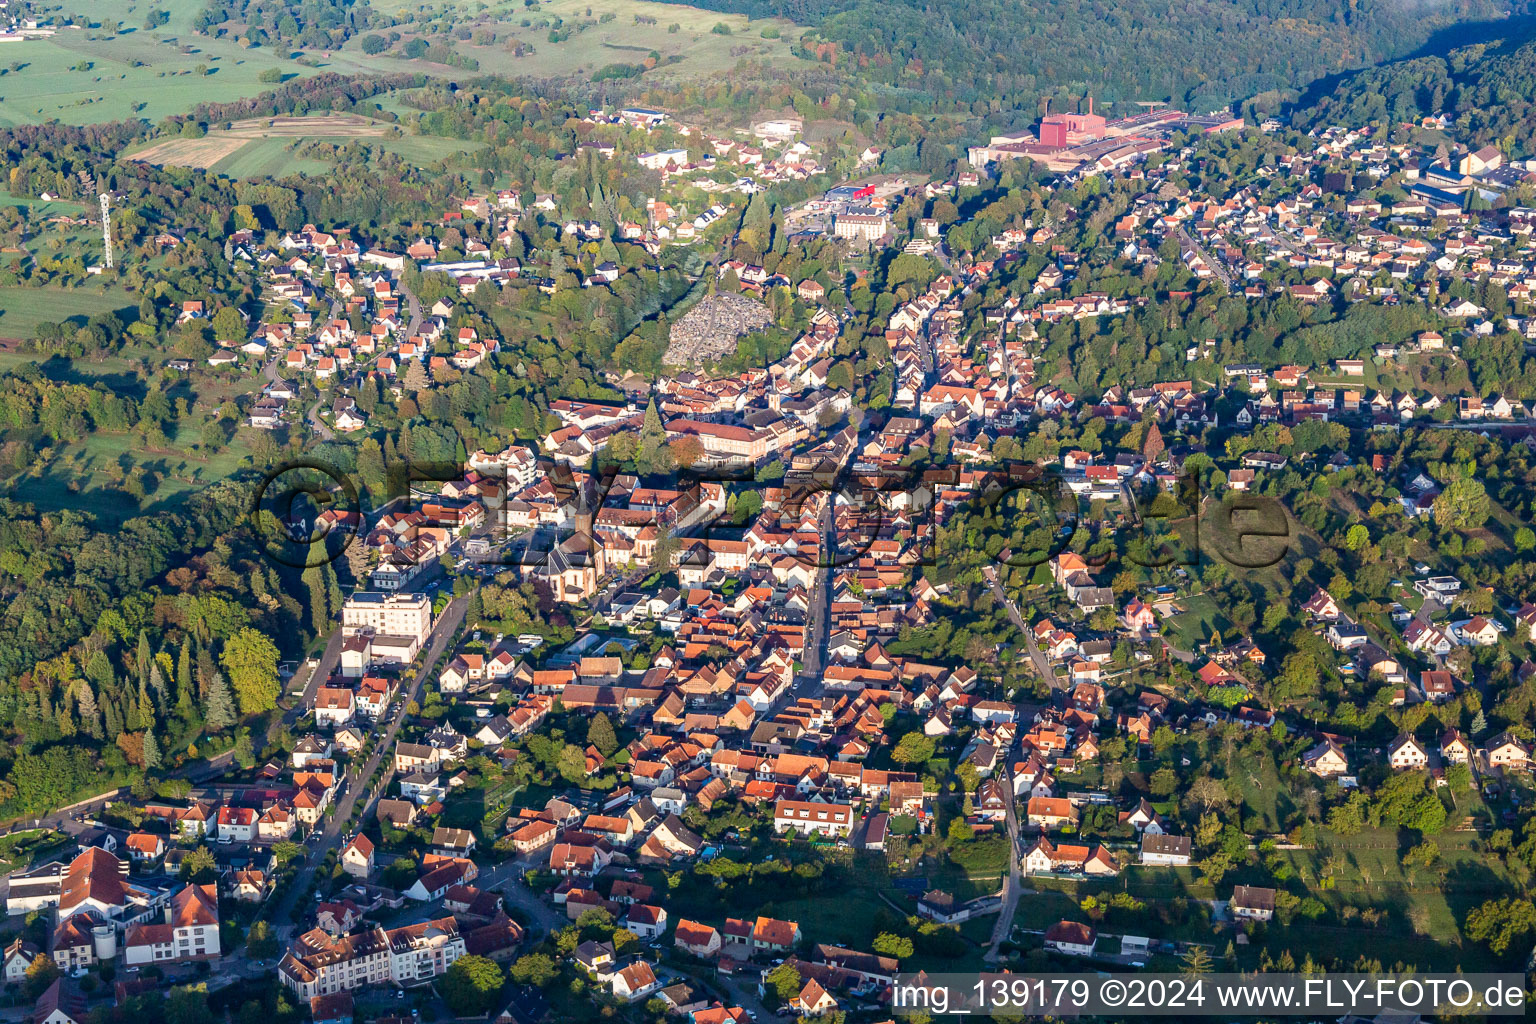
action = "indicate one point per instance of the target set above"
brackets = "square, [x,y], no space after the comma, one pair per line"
[818,626]
[443,632]
[1013,884]
[1217,267]
[1042,666]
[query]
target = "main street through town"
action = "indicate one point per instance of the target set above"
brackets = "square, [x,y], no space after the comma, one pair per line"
[444,631]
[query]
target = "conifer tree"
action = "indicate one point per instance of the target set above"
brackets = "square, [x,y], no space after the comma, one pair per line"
[219,706]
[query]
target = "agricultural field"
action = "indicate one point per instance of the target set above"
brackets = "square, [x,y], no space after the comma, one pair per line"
[107,73]
[261,147]
[22,308]
[633,29]
[119,69]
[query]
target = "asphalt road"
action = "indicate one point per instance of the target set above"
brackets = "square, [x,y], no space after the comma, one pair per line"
[1042,666]
[443,632]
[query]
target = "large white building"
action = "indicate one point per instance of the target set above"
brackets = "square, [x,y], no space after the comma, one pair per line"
[382,629]
[809,818]
[320,963]
[190,930]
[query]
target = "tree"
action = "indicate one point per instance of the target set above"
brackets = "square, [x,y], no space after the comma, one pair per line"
[913,748]
[1463,505]
[600,735]
[40,974]
[891,944]
[187,1004]
[1196,961]
[471,985]
[250,661]
[219,707]
[199,865]
[784,982]
[1501,923]
[261,943]
[537,969]
[151,751]
[228,325]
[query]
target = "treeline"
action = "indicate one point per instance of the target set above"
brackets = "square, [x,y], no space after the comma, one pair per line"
[1487,89]
[329,91]
[311,23]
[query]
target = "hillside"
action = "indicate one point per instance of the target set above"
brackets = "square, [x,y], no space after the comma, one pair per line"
[1489,89]
[1203,53]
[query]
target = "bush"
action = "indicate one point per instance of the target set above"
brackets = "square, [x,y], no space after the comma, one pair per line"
[721,29]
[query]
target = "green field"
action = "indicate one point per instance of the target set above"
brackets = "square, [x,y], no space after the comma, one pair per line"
[275,157]
[262,158]
[81,476]
[118,69]
[619,41]
[92,75]
[22,309]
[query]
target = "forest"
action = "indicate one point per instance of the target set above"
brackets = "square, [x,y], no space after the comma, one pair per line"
[1487,89]
[989,56]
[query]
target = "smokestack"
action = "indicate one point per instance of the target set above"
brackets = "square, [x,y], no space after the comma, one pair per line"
[1047,107]
[1090,104]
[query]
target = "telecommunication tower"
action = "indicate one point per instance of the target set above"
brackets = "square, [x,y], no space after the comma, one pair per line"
[106,229]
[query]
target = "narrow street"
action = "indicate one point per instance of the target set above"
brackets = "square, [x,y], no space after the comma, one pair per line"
[1036,658]
[1013,883]
[443,632]
[1217,267]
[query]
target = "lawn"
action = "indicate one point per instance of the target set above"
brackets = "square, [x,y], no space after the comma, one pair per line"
[23,308]
[1196,623]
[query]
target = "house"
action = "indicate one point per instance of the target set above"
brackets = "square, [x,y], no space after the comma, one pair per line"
[1479,632]
[1406,754]
[1438,686]
[1505,751]
[334,707]
[696,939]
[770,935]
[1165,850]
[18,956]
[1322,606]
[60,1003]
[357,857]
[249,886]
[1422,637]
[190,930]
[645,921]
[1326,760]
[1050,812]
[453,842]
[812,1000]
[1252,902]
[810,818]
[634,982]
[1071,937]
[144,847]
[1454,749]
